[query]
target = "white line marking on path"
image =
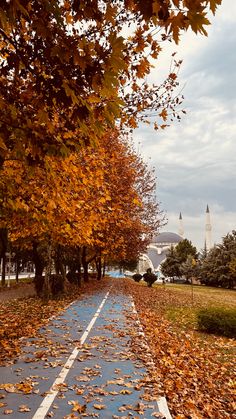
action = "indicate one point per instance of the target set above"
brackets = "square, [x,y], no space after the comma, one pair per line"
[161,402]
[48,400]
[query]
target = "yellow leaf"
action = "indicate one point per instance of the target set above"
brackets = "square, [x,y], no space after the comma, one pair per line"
[125,391]
[99,406]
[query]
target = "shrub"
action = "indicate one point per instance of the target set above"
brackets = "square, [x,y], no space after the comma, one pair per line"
[137,277]
[219,321]
[149,278]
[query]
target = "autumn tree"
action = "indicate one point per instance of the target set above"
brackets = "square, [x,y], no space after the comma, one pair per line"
[133,210]
[58,204]
[97,202]
[3,251]
[71,69]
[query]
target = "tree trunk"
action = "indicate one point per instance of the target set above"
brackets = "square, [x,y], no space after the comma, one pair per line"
[3,269]
[39,266]
[104,268]
[85,265]
[59,266]
[38,261]
[48,270]
[99,268]
[79,278]
[39,269]
[4,242]
[17,269]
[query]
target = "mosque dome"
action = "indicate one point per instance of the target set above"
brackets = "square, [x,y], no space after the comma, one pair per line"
[159,247]
[167,238]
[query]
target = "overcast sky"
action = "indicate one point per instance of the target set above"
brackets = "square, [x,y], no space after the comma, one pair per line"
[195,159]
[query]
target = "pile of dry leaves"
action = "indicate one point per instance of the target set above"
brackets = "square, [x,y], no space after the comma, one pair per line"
[197,371]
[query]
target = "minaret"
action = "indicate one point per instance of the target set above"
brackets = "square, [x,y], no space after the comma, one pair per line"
[181,227]
[208,230]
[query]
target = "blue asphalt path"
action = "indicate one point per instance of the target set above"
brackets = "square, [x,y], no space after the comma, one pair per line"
[105,380]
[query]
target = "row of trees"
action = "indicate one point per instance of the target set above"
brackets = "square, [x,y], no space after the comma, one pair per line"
[73,79]
[94,205]
[215,268]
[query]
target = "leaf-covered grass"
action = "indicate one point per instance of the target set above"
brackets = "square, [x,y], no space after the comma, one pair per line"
[197,371]
[15,315]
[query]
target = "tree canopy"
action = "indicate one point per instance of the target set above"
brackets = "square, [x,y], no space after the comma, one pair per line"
[101,198]
[73,80]
[71,69]
[218,267]
[178,259]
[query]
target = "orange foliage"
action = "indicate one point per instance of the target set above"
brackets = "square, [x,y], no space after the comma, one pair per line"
[100,197]
[68,68]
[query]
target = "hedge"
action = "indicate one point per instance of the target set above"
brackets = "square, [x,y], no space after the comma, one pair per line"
[219,321]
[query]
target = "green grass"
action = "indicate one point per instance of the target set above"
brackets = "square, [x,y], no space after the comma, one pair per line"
[185,302]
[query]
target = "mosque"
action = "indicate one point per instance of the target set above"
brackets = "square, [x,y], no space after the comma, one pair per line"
[161,243]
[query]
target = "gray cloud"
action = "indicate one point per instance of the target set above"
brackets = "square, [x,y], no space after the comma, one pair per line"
[213,70]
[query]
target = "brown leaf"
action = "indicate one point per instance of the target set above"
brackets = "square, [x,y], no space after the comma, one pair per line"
[99,406]
[77,406]
[125,392]
[50,414]
[24,408]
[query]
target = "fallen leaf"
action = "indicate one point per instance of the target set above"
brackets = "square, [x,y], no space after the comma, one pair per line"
[125,392]
[99,406]
[77,407]
[24,408]
[50,414]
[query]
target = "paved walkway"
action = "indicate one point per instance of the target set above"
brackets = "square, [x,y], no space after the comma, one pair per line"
[82,365]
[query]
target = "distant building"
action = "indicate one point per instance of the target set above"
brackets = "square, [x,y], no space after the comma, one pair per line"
[161,243]
[157,250]
[181,226]
[208,240]
[160,246]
